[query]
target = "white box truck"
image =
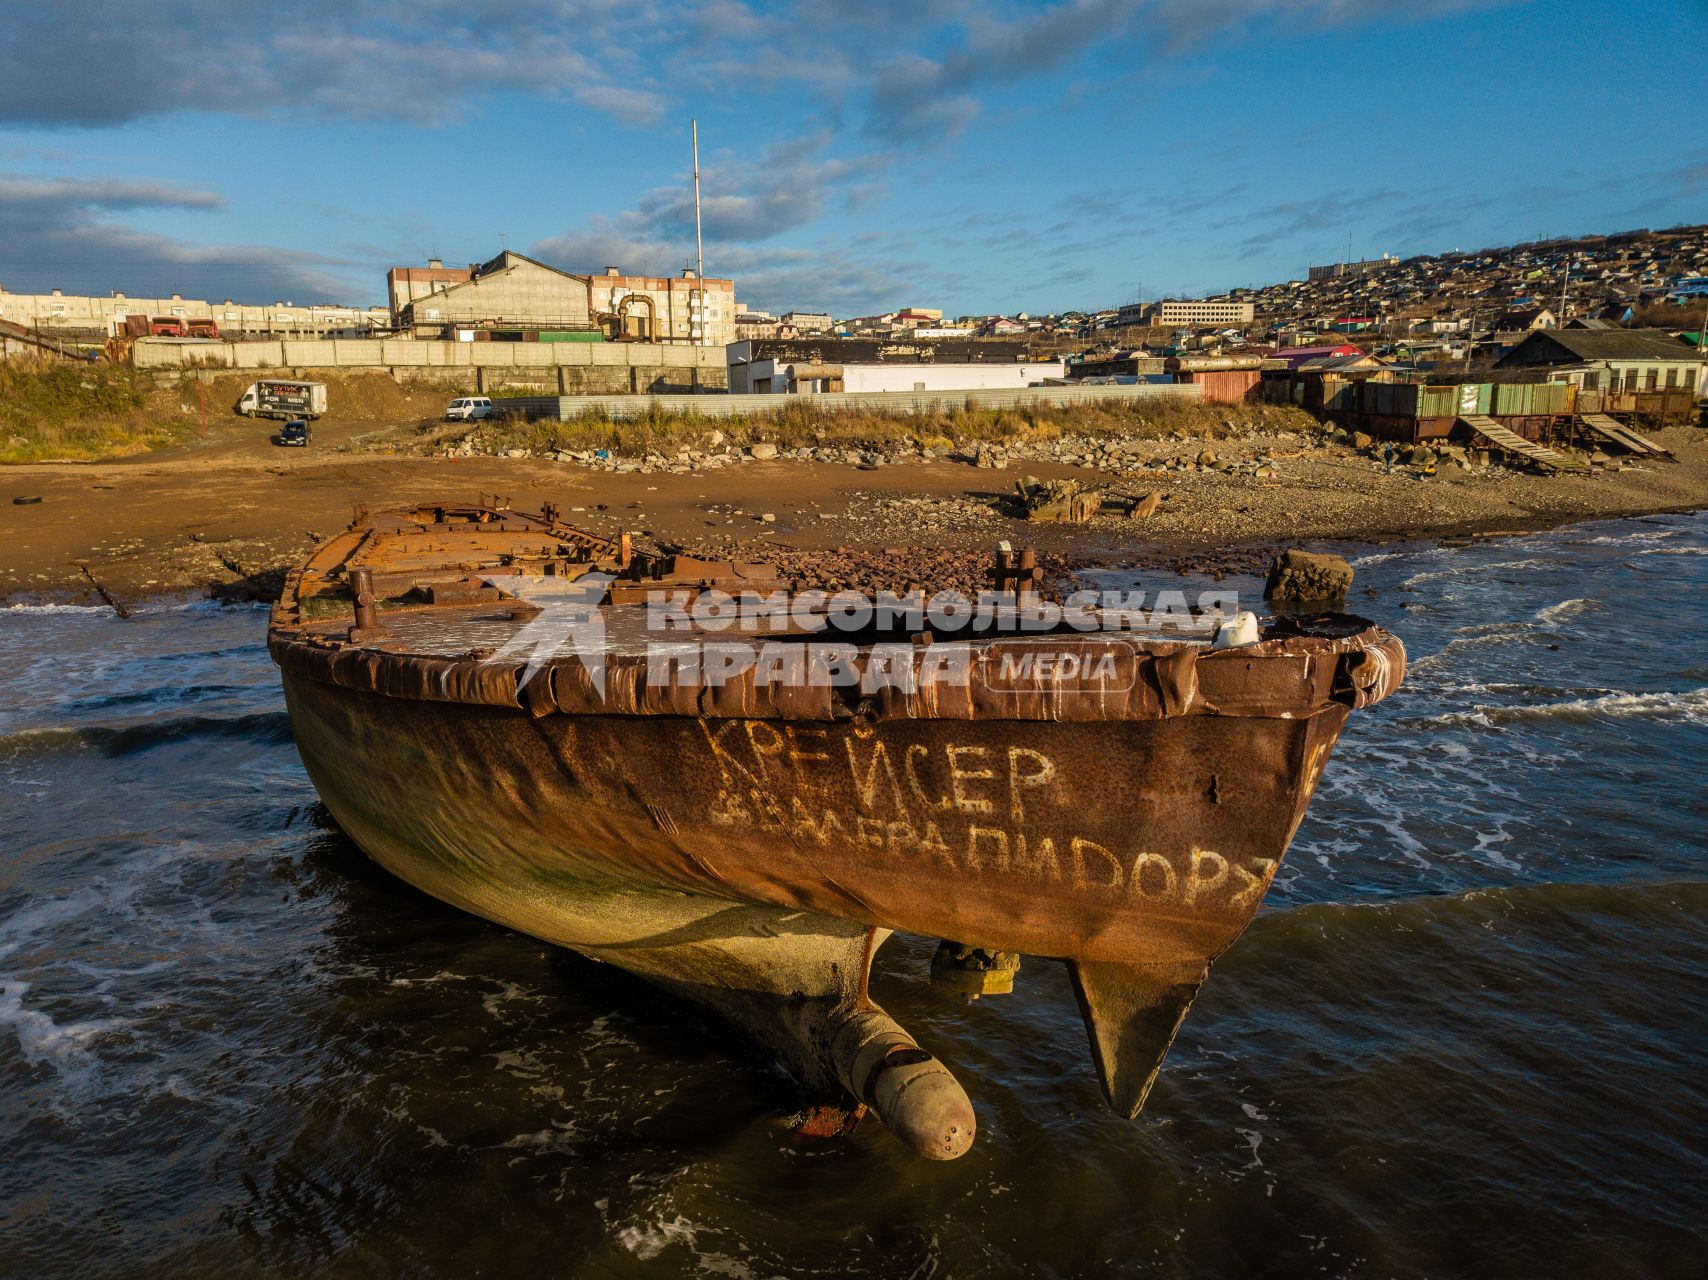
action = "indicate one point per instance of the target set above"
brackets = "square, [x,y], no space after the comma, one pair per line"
[279,399]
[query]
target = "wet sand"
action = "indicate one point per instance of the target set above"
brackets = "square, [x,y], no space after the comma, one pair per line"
[225,514]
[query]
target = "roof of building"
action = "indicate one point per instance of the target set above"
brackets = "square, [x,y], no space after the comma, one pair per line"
[431,273]
[1296,356]
[1595,344]
[1336,364]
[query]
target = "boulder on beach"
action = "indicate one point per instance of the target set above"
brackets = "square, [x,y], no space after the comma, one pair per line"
[1057,501]
[1304,576]
[1146,506]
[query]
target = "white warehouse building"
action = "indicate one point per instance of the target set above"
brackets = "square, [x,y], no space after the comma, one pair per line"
[784,377]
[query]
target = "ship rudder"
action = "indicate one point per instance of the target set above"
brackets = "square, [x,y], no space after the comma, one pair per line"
[1132,1013]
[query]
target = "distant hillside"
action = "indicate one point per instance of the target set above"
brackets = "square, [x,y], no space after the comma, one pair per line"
[1579,276]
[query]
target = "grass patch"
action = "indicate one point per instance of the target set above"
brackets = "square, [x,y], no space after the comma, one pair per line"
[62,409]
[802,423]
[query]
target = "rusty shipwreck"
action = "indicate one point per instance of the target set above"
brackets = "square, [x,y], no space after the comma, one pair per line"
[751,843]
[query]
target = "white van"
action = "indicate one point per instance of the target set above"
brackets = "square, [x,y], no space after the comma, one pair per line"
[466,407]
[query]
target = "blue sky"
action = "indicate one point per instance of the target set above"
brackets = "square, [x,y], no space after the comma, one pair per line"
[976,156]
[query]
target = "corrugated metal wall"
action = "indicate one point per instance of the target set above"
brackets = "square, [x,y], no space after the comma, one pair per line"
[1227,386]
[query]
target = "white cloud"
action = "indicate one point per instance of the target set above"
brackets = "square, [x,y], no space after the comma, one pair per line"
[60,233]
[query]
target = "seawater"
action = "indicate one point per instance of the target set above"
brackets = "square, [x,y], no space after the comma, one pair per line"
[1465,1037]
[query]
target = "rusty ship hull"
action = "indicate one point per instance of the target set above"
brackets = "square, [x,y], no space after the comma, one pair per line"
[750,846]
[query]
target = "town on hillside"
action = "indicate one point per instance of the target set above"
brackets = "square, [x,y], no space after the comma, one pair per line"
[1612,324]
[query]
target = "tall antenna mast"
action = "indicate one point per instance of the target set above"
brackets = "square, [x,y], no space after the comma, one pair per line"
[699,248]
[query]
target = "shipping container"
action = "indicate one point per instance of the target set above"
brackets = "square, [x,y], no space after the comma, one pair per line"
[1438,402]
[1530,399]
[571,335]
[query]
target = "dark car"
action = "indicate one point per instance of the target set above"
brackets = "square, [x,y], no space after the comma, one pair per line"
[295,432]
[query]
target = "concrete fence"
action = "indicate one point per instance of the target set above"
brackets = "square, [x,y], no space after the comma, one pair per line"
[605,367]
[727,406]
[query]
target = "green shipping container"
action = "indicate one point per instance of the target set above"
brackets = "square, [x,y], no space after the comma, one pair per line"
[572,335]
[1512,399]
[1531,399]
[1438,402]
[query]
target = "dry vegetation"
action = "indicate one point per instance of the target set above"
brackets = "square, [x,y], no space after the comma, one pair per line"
[801,423]
[351,397]
[53,409]
[1670,315]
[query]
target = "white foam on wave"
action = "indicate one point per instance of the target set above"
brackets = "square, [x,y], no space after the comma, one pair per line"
[1690,706]
[1474,567]
[1675,551]
[57,608]
[647,1240]
[44,1041]
[1566,608]
[41,915]
[145,608]
[1621,539]
[1479,637]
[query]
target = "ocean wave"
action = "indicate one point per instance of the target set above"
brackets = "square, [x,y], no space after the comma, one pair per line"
[1621,539]
[1478,637]
[1690,705]
[142,608]
[44,1041]
[1493,628]
[1675,551]
[1477,567]
[38,916]
[1566,608]
[123,739]
[1626,900]
[56,608]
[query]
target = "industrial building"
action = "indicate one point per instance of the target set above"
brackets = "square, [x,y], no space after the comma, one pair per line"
[1337,270]
[517,297]
[1202,312]
[667,308]
[403,285]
